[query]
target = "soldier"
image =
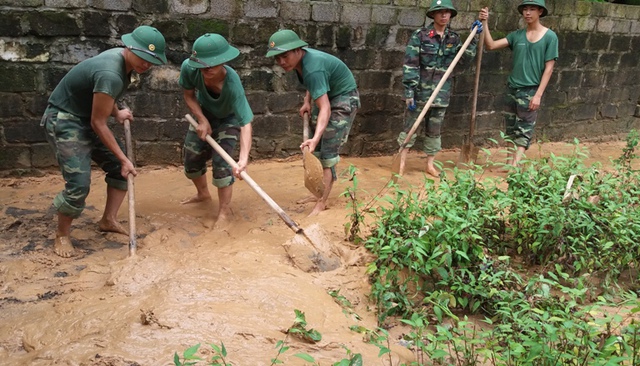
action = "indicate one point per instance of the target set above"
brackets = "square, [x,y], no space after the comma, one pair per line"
[76,127]
[535,51]
[332,88]
[214,94]
[429,53]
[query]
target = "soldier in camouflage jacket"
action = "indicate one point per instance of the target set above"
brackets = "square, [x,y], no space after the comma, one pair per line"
[430,51]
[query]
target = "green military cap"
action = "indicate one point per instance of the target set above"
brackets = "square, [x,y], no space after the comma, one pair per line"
[211,50]
[441,5]
[147,43]
[539,3]
[284,40]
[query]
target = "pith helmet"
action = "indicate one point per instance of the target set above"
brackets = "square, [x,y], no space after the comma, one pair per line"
[440,5]
[211,50]
[284,40]
[539,3]
[147,43]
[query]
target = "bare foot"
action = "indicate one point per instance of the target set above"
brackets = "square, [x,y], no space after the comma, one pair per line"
[209,222]
[63,247]
[111,227]
[224,219]
[195,199]
[432,171]
[307,200]
[319,207]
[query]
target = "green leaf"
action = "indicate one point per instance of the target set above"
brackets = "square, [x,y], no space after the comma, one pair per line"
[383,351]
[356,360]
[189,352]
[305,357]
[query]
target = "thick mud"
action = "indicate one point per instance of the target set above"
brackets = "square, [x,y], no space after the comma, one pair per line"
[238,284]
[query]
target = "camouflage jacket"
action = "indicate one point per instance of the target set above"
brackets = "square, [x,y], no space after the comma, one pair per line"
[426,60]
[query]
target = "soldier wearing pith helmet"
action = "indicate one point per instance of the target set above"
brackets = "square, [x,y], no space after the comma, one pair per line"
[539,3]
[535,51]
[215,96]
[331,98]
[75,122]
[429,53]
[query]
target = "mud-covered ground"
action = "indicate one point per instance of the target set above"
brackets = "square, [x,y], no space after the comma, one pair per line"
[187,284]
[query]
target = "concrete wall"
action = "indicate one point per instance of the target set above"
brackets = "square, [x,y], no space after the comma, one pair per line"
[594,91]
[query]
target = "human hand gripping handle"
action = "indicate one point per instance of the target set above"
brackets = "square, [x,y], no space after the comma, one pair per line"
[411,104]
[477,24]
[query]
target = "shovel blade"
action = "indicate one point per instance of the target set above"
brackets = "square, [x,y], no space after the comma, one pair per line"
[313,174]
[313,251]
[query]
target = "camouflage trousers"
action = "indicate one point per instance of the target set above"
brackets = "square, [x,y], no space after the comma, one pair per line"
[433,120]
[343,111]
[519,120]
[76,145]
[196,153]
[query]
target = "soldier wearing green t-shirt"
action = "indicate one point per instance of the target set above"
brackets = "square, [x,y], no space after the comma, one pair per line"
[332,88]
[214,94]
[535,51]
[76,127]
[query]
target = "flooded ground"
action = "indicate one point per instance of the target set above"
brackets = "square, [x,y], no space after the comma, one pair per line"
[188,284]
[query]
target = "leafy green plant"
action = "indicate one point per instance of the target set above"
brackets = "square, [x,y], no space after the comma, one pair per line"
[189,357]
[356,217]
[298,329]
[539,259]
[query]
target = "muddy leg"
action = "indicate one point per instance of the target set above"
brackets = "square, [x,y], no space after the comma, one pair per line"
[431,168]
[62,245]
[109,221]
[202,189]
[321,205]
[224,210]
[403,160]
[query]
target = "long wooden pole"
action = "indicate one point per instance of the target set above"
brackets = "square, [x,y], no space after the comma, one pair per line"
[130,191]
[476,87]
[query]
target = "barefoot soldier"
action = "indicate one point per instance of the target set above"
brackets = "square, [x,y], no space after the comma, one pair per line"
[76,127]
[215,96]
[429,53]
[332,87]
[535,51]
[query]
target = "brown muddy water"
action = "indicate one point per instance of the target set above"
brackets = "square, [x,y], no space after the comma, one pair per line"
[239,284]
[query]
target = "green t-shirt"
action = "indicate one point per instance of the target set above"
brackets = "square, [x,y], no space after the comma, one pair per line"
[323,73]
[105,73]
[529,58]
[231,101]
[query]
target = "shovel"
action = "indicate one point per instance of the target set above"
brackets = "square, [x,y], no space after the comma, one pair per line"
[130,191]
[469,152]
[398,158]
[313,171]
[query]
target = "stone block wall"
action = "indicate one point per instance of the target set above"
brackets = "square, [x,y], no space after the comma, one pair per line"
[594,91]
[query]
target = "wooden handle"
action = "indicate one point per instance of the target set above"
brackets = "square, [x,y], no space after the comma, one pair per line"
[437,89]
[292,225]
[472,124]
[305,132]
[130,190]
[305,126]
